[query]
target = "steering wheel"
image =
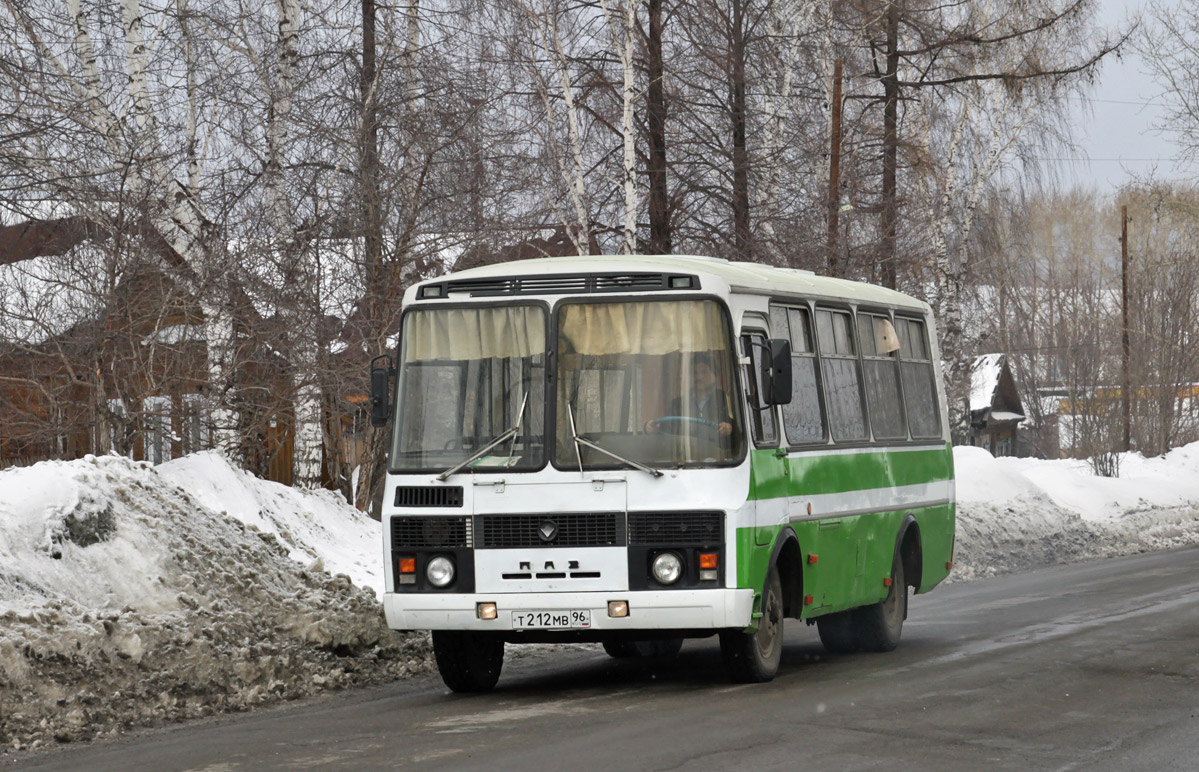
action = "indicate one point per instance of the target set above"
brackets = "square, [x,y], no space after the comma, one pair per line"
[681,419]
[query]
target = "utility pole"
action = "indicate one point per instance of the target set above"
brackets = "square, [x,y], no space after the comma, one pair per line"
[834,171]
[1125,386]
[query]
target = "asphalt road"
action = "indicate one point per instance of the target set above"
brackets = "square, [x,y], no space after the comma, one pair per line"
[1093,667]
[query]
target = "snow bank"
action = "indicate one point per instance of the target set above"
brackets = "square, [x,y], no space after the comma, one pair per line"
[127,601]
[318,527]
[1016,513]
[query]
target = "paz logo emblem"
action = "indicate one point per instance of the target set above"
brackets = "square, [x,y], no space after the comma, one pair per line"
[548,530]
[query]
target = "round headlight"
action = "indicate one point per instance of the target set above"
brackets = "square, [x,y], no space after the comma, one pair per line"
[440,571]
[667,568]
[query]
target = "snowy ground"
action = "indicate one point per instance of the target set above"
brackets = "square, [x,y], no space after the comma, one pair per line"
[134,596]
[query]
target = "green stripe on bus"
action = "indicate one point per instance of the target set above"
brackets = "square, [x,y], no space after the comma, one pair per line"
[773,477]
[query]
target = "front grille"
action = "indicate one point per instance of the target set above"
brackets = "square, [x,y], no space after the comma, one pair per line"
[562,284]
[583,529]
[676,529]
[424,496]
[430,532]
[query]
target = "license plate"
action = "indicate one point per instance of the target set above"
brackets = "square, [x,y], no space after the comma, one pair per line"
[551,620]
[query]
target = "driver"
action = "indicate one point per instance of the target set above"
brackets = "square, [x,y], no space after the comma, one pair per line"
[707,401]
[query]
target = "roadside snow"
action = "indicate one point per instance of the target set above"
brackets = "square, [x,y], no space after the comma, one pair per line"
[126,601]
[132,595]
[319,529]
[1016,513]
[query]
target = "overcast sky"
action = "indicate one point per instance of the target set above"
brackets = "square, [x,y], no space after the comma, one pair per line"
[1114,132]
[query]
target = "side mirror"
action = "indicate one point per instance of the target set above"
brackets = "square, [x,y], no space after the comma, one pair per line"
[776,389]
[380,393]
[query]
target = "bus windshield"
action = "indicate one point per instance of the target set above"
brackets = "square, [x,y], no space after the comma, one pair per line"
[648,381]
[464,375]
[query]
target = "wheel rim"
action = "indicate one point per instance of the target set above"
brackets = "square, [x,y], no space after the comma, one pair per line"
[893,605]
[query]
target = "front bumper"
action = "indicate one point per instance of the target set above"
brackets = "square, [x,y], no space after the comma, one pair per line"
[648,610]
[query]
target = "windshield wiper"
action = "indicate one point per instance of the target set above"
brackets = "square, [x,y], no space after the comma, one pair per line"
[578,440]
[510,434]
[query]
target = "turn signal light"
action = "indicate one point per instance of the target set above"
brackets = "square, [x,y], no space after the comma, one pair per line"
[407,565]
[708,560]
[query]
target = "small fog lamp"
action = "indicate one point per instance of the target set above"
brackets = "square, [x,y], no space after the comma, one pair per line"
[440,571]
[667,568]
[618,608]
[486,611]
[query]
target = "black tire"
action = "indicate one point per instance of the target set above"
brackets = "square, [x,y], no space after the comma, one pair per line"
[666,647]
[879,626]
[837,632]
[754,657]
[468,662]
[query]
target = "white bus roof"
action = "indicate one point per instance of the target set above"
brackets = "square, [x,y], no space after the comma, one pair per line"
[739,276]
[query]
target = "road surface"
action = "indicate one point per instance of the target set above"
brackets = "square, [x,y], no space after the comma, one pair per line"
[1090,667]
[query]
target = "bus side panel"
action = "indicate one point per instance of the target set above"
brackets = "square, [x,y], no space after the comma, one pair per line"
[847,557]
[937,536]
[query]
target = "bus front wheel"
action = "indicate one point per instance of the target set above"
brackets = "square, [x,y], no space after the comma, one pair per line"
[754,657]
[468,662]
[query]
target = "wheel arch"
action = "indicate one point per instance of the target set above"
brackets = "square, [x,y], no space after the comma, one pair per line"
[787,557]
[910,550]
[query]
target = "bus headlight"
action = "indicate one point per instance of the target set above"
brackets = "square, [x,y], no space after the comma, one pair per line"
[667,568]
[440,571]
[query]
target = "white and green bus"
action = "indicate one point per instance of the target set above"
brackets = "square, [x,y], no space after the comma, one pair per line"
[635,450]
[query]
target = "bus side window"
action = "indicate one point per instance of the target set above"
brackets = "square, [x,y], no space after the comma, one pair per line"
[882,377]
[919,385]
[803,420]
[842,378]
[761,416]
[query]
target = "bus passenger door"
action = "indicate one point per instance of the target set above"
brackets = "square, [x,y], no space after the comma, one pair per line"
[768,462]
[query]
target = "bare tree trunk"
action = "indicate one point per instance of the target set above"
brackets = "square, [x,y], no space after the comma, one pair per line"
[369,188]
[623,32]
[890,213]
[789,26]
[737,54]
[300,308]
[656,112]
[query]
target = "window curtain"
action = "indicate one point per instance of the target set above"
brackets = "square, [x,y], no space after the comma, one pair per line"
[656,328]
[474,333]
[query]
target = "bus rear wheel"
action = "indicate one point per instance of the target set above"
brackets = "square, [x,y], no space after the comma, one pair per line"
[754,657]
[468,662]
[876,627]
[880,625]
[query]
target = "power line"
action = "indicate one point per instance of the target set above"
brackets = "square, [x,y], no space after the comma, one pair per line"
[1123,102]
[1112,160]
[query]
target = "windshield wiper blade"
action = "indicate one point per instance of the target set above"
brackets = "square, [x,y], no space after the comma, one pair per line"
[579,440]
[510,434]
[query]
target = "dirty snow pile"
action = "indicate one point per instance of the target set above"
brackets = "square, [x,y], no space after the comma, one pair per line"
[127,600]
[1018,513]
[133,596]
